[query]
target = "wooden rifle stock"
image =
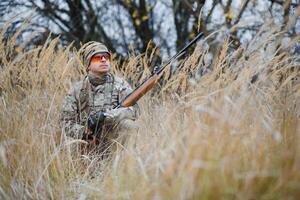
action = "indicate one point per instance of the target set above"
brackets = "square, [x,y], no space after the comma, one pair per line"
[138,92]
[131,99]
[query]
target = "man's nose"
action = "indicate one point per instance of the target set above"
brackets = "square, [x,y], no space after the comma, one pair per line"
[103,59]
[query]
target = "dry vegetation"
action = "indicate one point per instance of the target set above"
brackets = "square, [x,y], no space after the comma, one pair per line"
[228,134]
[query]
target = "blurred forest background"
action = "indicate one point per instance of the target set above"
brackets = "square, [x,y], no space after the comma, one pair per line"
[129,25]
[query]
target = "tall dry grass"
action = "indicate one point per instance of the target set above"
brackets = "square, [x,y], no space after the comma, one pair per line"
[232,133]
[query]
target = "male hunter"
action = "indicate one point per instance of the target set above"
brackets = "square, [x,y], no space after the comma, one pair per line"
[89,111]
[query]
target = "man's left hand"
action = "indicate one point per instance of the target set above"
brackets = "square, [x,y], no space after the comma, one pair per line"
[116,115]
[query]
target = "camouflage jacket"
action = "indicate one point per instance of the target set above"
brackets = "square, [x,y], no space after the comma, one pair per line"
[84,99]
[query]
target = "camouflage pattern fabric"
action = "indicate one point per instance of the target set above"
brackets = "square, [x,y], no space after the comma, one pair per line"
[85,98]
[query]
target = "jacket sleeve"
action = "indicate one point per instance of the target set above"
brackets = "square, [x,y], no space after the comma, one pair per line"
[123,113]
[70,118]
[131,112]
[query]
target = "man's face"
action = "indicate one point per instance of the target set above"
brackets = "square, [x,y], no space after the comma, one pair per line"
[100,64]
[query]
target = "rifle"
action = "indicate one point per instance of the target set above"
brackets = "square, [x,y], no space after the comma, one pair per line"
[96,122]
[148,84]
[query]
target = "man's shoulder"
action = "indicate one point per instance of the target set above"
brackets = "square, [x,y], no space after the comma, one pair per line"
[118,79]
[78,86]
[120,82]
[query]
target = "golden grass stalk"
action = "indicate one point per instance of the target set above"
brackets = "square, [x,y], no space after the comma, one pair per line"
[232,133]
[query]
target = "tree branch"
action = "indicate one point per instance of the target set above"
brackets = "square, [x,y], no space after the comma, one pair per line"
[244,6]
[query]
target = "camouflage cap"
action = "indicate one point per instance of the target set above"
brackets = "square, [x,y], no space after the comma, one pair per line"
[89,49]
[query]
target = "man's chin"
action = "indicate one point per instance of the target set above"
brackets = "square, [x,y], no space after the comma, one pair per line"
[104,71]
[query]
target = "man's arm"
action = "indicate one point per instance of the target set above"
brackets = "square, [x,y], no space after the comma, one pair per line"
[70,118]
[132,111]
[123,113]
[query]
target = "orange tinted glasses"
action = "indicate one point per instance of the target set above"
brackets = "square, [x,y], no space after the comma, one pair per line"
[101,57]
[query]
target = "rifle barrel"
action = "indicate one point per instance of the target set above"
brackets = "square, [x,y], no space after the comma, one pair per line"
[180,53]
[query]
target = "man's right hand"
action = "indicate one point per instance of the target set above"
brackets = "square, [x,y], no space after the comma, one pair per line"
[95,122]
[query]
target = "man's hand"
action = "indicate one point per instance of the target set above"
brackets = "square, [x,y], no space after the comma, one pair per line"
[117,115]
[95,122]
